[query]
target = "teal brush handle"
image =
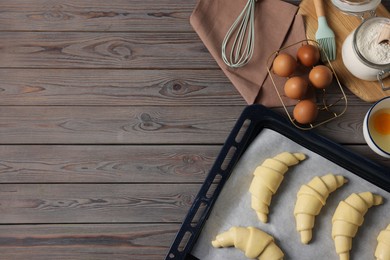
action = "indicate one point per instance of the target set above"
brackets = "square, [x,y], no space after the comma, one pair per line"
[322,21]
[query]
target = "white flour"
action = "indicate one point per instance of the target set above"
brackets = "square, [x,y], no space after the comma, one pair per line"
[368,46]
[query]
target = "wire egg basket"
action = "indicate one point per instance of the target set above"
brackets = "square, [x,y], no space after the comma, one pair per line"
[331,101]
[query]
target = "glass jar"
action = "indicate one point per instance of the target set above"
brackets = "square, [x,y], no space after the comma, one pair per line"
[363,56]
[361,8]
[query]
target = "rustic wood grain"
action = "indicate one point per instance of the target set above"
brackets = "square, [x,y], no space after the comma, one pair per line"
[106,163]
[95,203]
[116,163]
[119,125]
[146,125]
[101,15]
[116,87]
[346,129]
[104,50]
[117,15]
[84,253]
[86,241]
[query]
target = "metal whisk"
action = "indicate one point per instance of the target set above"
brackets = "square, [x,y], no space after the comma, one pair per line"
[242,50]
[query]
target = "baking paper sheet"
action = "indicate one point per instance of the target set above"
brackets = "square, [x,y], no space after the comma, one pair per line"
[233,206]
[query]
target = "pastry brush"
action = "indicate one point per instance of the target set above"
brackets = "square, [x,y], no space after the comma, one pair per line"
[324,35]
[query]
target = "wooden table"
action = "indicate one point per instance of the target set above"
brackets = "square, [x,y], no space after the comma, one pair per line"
[112,113]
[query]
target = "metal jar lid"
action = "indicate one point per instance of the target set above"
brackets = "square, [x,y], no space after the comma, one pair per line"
[356,6]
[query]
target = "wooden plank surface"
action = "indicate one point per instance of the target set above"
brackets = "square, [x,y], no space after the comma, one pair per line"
[115,15]
[142,125]
[86,241]
[114,163]
[95,203]
[117,87]
[101,15]
[119,125]
[106,163]
[104,50]
[111,115]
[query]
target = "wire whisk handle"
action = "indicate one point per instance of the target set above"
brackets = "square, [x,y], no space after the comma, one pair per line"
[242,49]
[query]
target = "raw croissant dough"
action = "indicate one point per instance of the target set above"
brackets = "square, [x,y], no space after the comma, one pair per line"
[252,241]
[382,251]
[311,198]
[268,177]
[348,217]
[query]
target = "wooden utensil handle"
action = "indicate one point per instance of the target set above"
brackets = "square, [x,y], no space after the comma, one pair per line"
[319,6]
[384,36]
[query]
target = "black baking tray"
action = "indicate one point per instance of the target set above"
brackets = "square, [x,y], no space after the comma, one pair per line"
[252,121]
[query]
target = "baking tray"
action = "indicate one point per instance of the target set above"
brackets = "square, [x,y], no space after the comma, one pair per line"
[254,120]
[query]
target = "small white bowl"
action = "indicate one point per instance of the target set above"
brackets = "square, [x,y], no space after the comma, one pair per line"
[367,132]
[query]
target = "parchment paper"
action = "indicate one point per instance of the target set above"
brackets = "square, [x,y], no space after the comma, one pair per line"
[233,206]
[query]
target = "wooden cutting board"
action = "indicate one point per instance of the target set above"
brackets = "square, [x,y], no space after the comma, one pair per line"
[343,25]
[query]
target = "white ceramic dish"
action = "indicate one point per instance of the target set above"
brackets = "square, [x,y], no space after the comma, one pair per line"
[367,131]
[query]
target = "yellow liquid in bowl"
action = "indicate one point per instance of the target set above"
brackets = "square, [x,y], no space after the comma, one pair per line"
[379,126]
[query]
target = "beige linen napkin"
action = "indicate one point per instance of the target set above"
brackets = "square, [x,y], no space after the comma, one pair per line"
[276,25]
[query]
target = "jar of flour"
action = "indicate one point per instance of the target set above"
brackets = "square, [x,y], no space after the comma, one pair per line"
[364,55]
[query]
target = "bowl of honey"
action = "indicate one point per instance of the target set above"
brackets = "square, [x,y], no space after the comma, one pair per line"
[376,127]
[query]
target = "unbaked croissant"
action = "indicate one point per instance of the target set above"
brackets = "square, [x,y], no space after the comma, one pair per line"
[311,198]
[268,176]
[382,251]
[348,217]
[254,242]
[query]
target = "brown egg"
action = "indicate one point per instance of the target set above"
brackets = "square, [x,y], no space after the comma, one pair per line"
[320,76]
[284,65]
[305,111]
[308,55]
[295,87]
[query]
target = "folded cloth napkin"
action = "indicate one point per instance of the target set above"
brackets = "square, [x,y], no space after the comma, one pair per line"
[276,25]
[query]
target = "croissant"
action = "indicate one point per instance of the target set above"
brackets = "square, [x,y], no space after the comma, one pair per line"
[310,200]
[254,242]
[348,217]
[382,251]
[268,176]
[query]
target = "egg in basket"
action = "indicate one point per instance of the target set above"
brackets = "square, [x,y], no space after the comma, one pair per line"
[303,72]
